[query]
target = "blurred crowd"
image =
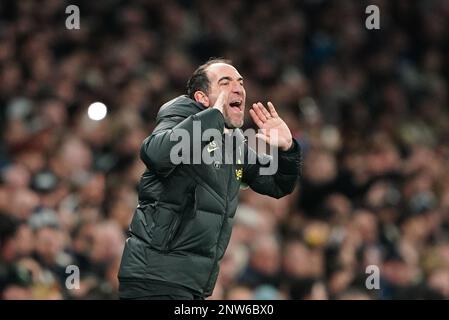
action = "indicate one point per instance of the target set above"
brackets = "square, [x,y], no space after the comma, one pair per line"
[369,108]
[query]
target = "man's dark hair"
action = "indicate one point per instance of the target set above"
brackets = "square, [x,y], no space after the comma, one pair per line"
[199,80]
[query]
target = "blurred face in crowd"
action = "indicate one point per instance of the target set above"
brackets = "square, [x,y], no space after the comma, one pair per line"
[24,240]
[240,293]
[318,292]
[107,242]
[299,261]
[14,292]
[353,294]
[8,250]
[439,280]
[266,256]
[366,224]
[320,167]
[221,77]
[49,242]
[399,273]
[340,280]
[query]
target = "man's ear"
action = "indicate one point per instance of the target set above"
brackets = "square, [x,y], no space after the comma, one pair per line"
[202,98]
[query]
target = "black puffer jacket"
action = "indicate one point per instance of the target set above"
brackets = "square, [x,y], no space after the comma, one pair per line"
[183,222]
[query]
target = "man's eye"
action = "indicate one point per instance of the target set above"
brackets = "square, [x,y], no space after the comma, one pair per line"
[224,83]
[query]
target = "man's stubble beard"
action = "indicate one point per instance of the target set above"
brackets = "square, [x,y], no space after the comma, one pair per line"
[228,121]
[230,125]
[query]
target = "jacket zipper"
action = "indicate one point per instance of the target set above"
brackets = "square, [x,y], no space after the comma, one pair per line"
[225,216]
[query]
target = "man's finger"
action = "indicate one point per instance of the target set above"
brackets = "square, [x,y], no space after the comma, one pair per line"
[255,117]
[273,112]
[264,110]
[259,112]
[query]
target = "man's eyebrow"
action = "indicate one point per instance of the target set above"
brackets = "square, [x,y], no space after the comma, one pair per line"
[229,79]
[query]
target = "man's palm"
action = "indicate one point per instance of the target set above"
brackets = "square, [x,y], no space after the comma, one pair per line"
[273,129]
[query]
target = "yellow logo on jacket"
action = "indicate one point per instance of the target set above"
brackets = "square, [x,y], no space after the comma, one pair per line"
[239,174]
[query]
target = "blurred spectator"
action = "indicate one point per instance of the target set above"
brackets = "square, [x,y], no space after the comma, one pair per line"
[239,292]
[264,263]
[15,281]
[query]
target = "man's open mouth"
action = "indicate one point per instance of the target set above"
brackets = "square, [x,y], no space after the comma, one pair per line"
[236,104]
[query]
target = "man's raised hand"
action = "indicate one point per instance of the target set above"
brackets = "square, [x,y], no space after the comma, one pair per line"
[273,129]
[222,100]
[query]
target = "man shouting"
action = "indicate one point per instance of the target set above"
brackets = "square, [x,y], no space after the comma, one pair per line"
[183,222]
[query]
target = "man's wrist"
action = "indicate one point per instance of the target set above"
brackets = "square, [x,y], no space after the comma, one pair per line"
[288,147]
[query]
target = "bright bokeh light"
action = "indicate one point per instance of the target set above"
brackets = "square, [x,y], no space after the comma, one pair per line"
[97,111]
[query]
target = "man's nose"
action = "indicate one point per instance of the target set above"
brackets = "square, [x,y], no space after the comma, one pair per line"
[237,88]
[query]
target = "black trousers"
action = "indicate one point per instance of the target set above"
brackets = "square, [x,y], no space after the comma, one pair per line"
[154,290]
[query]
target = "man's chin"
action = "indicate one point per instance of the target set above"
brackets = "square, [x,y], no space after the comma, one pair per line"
[233,124]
